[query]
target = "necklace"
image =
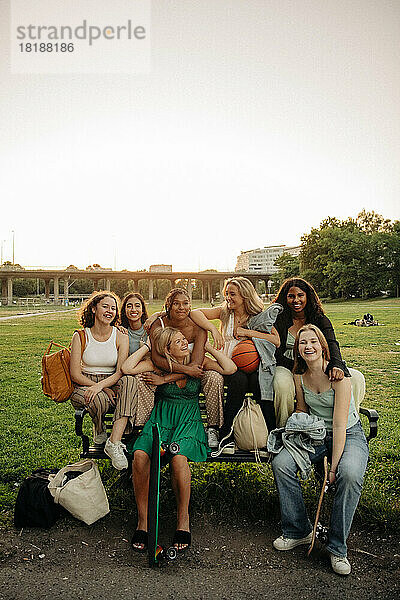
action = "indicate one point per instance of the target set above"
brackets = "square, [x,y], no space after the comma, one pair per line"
[240,320]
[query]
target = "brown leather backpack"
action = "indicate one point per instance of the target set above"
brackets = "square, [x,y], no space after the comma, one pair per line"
[56,378]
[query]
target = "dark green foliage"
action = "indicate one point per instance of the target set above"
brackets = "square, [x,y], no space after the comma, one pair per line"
[352,258]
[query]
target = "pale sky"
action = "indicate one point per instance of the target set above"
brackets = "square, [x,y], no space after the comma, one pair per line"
[258,120]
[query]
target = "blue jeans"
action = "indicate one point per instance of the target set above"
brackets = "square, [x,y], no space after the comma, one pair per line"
[349,480]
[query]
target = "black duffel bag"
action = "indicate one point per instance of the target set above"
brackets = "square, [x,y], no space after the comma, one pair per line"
[35,506]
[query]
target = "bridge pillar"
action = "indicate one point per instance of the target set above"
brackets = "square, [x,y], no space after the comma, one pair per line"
[66,295]
[190,289]
[203,291]
[47,289]
[108,285]
[9,290]
[221,287]
[151,290]
[209,288]
[4,291]
[135,285]
[56,290]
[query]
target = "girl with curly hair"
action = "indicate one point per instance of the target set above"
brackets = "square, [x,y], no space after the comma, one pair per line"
[96,371]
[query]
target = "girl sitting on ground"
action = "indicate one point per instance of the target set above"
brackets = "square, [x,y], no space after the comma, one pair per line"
[345,445]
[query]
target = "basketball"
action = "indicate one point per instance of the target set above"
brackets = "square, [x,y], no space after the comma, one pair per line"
[245,356]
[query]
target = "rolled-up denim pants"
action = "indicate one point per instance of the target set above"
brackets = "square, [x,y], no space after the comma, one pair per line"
[349,480]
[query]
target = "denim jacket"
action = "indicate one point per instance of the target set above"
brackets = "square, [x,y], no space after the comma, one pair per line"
[300,436]
[263,322]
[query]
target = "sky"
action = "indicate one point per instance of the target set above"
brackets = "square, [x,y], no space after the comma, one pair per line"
[256,120]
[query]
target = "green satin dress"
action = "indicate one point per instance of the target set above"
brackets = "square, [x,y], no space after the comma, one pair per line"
[177,413]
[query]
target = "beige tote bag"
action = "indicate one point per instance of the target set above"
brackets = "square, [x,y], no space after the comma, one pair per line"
[82,495]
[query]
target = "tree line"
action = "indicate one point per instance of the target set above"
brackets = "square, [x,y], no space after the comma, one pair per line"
[351,258]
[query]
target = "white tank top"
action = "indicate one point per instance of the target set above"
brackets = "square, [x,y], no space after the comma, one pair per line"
[100,358]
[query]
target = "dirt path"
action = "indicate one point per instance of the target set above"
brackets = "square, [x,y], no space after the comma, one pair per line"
[225,562]
[36,314]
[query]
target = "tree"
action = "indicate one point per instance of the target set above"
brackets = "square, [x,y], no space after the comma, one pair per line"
[355,257]
[288,266]
[372,222]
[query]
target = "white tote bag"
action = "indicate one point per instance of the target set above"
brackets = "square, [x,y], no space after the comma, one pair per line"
[83,495]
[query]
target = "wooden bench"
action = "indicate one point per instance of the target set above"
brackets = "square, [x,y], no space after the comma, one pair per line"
[240,456]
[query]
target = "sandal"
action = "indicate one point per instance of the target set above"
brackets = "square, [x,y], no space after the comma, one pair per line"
[139,537]
[182,537]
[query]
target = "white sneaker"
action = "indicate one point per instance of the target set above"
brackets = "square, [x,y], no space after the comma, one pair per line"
[284,543]
[100,438]
[116,453]
[212,437]
[340,564]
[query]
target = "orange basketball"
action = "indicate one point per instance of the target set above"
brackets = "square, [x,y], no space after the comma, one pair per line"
[245,356]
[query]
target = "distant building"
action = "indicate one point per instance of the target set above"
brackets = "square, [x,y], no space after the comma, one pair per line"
[160,269]
[261,260]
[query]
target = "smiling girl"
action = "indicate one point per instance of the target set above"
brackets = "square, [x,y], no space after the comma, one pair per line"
[345,445]
[178,415]
[96,371]
[133,315]
[241,304]
[301,306]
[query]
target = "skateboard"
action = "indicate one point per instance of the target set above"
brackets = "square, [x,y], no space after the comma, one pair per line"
[159,455]
[320,531]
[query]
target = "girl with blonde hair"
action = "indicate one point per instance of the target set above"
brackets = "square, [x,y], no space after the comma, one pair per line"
[178,415]
[241,308]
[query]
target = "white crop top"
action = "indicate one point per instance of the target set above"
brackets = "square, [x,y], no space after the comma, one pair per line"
[100,358]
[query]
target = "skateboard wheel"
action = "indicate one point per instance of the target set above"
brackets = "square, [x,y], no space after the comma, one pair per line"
[324,536]
[171,553]
[174,448]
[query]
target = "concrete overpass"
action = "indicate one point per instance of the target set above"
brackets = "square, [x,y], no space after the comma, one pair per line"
[65,277]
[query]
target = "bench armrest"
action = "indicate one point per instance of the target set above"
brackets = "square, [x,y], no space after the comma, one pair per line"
[373,417]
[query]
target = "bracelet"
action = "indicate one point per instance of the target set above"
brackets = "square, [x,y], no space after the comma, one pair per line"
[334,472]
[147,346]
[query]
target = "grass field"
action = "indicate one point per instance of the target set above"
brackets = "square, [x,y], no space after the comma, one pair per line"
[34,431]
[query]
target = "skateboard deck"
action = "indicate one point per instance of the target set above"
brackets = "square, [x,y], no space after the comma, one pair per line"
[159,451]
[318,530]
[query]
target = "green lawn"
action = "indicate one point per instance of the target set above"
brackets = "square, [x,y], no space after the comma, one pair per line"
[35,431]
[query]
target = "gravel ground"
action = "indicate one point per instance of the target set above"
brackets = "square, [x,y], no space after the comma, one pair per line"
[225,562]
